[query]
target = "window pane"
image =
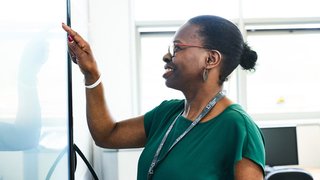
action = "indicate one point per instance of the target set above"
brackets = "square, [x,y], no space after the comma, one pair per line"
[152,86]
[283,8]
[287,75]
[146,10]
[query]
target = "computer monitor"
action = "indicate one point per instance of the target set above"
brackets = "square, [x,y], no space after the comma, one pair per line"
[280,145]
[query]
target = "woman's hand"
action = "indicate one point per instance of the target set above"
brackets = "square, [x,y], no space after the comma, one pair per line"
[106,131]
[81,54]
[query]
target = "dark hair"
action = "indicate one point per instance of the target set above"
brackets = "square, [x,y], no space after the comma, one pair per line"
[222,35]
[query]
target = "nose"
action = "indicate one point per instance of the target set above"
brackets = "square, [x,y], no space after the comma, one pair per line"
[167,57]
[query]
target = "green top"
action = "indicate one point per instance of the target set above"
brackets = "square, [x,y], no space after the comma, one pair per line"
[209,151]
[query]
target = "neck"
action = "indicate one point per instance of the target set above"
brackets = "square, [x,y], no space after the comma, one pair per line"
[196,103]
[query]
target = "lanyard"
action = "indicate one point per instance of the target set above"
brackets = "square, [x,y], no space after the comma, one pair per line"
[204,112]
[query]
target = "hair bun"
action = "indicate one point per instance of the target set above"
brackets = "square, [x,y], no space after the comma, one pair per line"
[248,58]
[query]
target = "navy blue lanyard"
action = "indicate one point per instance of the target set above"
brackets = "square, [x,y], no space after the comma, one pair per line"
[204,112]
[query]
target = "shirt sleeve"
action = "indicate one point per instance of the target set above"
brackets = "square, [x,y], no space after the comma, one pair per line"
[250,142]
[255,145]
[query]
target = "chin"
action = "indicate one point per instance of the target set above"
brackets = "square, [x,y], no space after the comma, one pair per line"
[171,85]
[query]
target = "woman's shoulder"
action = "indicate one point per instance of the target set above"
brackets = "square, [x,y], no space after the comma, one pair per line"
[235,114]
[169,104]
[166,107]
[234,110]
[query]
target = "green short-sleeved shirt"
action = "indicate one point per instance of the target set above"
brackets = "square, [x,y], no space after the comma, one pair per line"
[208,152]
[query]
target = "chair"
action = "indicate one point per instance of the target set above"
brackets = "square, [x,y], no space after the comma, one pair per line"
[288,174]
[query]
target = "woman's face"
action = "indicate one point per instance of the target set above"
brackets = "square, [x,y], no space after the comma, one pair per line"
[184,70]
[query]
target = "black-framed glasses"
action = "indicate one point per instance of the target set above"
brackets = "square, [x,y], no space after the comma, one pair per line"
[176,47]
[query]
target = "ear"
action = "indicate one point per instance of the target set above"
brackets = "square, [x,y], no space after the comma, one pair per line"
[214,59]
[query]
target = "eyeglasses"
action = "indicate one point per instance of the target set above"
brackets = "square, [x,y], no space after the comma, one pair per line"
[176,47]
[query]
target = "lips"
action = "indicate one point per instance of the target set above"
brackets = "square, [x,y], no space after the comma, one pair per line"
[168,70]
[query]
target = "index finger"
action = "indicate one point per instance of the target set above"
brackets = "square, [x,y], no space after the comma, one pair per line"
[75,36]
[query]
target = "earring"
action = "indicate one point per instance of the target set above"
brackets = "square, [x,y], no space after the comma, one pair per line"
[205,75]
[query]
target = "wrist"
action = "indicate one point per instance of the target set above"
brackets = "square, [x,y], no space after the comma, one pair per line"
[94,82]
[90,78]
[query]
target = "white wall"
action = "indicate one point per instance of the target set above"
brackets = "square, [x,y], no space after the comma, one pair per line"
[308,137]
[110,29]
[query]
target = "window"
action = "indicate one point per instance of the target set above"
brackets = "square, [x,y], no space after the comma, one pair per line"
[152,86]
[287,75]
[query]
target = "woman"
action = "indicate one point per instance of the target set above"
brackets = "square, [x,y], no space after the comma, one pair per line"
[205,136]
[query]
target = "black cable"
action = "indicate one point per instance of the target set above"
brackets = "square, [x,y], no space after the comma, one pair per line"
[76,149]
[85,161]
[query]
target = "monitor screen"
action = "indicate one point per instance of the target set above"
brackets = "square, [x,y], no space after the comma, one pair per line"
[35,106]
[281,146]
